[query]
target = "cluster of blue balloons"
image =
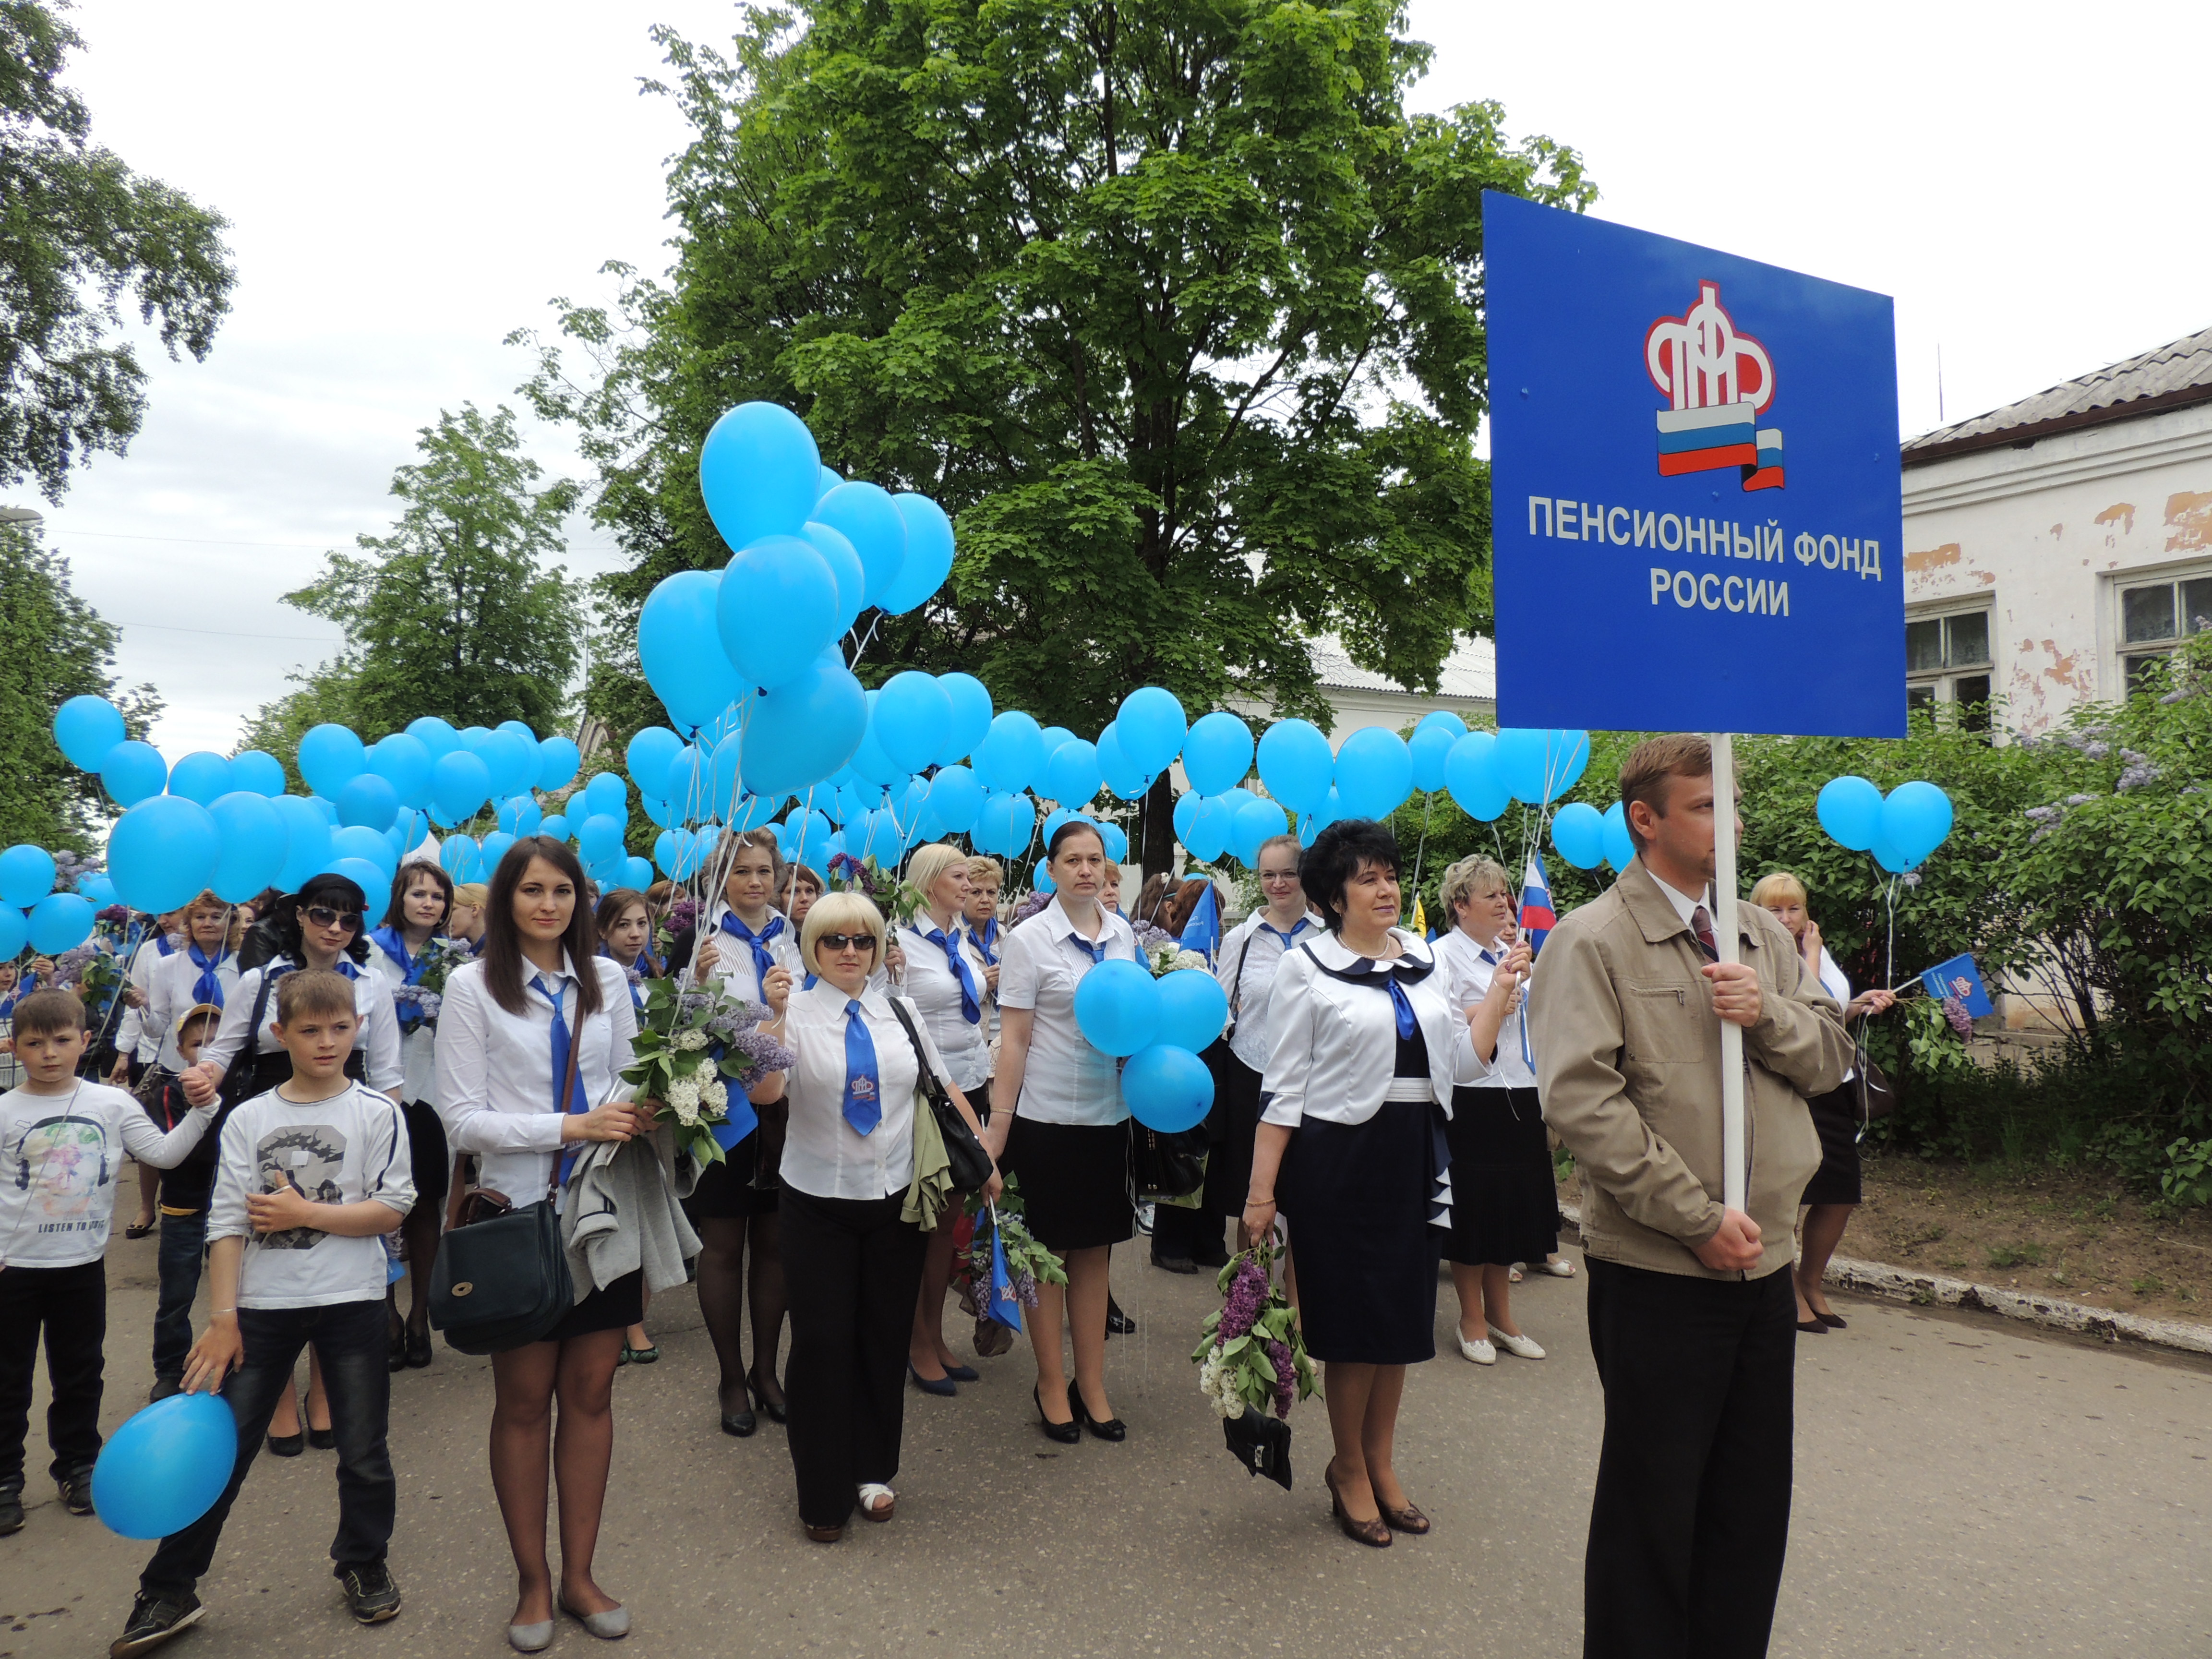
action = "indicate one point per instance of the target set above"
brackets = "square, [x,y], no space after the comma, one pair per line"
[1586,837]
[1160,1025]
[33,914]
[1901,830]
[1486,772]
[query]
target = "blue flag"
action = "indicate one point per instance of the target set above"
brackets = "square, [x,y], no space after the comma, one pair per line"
[1202,933]
[742,1119]
[1959,978]
[1004,1306]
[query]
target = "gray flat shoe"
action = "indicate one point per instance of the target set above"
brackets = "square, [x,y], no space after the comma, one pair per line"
[608,1627]
[531,1638]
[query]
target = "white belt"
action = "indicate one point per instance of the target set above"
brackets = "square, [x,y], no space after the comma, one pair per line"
[1409,1088]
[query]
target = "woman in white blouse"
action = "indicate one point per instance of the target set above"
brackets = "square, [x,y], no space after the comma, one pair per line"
[947,981]
[1366,1051]
[1060,1125]
[421,900]
[1506,1204]
[854,1265]
[504,1035]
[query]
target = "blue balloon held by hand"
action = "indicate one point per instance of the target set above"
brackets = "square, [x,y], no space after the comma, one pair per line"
[1850,809]
[1167,1088]
[165,1468]
[1192,1008]
[1117,1007]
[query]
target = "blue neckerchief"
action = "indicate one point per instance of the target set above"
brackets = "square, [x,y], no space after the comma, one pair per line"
[561,1039]
[1289,937]
[1097,953]
[987,941]
[207,987]
[162,945]
[637,991]
[347,966]
[864,1091]
[393,944]
[971,996]
[763,959]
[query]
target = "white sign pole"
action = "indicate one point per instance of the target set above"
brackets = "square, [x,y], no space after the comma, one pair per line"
[1734,1170]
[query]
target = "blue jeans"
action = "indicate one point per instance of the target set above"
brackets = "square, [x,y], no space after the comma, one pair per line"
[184,1242]
[351,1339]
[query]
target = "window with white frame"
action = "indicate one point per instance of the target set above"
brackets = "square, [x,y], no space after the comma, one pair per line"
[2155,617]
[1946,664]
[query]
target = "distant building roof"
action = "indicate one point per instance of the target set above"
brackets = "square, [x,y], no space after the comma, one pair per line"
[1471,669]
[2176,374]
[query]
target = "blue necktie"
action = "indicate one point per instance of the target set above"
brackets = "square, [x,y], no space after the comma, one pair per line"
[1403,1008]
[863,1103]
[207,987]
[763,959]
[971,1001]
[575,1102]
[1097,953]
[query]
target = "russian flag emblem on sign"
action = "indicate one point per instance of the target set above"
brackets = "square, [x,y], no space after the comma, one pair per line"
[1537,916]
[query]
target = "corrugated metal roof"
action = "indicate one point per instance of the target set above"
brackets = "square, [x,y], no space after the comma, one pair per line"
[2177,372]
[1471,669]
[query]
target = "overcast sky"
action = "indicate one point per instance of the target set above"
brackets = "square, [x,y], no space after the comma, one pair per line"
[407,183]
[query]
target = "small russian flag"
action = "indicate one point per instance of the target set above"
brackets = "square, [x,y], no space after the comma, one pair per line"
[1537,916]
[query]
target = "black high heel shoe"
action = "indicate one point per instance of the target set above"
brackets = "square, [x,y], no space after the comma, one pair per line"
[1112,1429]
[1117,1322]
[776,1413]
[1065,1434]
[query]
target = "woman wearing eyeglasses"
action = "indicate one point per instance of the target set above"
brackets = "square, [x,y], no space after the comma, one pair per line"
[854,1244]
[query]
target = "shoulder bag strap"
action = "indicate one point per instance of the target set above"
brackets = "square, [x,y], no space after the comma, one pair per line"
[929,1084]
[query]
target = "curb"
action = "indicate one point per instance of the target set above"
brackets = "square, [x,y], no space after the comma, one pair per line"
[1933,1290]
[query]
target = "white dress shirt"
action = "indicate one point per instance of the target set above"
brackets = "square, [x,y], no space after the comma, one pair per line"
[822,1154]
[1246,966]
[932,987]
[495,1082]
[378,1037]
[1683,903]
[1041,963]
[418,1048]
[169,998]
[1838,985]
[1336,1045]
[733,957]
[1467,969]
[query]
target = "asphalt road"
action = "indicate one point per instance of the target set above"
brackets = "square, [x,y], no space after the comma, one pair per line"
[1963,1487]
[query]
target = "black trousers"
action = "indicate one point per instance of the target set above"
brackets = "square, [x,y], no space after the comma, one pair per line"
[352,1340]
[69,1306]
[853,1270]
[1691,1519]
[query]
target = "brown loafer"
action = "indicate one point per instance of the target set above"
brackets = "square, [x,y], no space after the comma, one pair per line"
[825,1535]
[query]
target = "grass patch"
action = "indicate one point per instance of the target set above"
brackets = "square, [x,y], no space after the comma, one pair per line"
[2017,1255]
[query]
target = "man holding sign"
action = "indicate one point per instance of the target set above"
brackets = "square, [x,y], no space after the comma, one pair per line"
[1693,1318]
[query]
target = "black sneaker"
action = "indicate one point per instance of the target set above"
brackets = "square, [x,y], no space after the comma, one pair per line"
[370,1593]
[154,1619]
[11,1513]
[76,1493]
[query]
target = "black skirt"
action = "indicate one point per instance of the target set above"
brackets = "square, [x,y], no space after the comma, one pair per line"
[1358,1197]
[614,1307]
[1836,1115]
[1074,1182]
[734,1188]
[433,1165]
[1230,1127]
[1506,1201]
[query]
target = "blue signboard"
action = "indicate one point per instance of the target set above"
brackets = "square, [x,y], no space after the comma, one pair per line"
[1696,509]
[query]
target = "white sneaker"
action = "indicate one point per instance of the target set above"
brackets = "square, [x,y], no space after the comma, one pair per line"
[1523,1347]
[1479,1351]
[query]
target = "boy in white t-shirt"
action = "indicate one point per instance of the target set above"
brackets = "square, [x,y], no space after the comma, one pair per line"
[61,1142]
[310,1178]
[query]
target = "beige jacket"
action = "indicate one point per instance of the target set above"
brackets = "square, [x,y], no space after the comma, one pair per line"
[1627,1046]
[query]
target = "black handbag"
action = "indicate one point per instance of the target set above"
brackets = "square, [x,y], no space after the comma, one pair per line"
[501,1280]
[970,1165]
[1168,1166]
[1877,1094]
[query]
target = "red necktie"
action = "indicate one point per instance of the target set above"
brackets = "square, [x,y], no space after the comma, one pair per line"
[1701,924]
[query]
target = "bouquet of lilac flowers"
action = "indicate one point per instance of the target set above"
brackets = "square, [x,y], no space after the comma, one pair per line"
[682,917]
[691,1046]
[1251,1353]
[1027,1261]
[417,1005]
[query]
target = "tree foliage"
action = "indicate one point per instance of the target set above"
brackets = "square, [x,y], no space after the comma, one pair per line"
[1171,303]
[80,234]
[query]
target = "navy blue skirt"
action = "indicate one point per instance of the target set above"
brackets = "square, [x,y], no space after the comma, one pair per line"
[1360,1198]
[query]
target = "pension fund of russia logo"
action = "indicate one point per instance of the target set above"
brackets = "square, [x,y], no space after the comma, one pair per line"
[1718,382]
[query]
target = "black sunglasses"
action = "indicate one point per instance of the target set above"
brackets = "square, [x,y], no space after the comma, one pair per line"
[323,917]
[847,941]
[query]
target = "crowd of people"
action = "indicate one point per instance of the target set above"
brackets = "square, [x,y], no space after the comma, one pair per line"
[319,1101]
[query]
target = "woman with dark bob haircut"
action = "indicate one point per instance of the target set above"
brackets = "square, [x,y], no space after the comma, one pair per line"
[1366,1052]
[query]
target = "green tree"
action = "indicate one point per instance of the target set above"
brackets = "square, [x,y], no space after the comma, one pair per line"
[451,614]
[1172,304]
[79,233]
[57,648]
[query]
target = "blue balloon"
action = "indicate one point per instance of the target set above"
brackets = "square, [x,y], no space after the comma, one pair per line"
[1578,832]
[1053,820]
[607,793]
[1053,736]
[262,772]
[460,784]
[306,840]
[96,888]
[1444,719]
[511,760]
[165,1468]
[59,922]
[1150,726]
[373,878]
[14,931]
[495,847]
[1471,774]
[647,757]
[1124,777]
[803,731]
[519,729]
[1374,772]
[1217,753]
[760,471]
[358,843]
[1041,880]
[928,554]
[826,481]
[970,719]
[1117,1007]
[435,735]
[809,834]
[555,826]
[688,782]
[910,719]
[134,772]
[1429,747]
[1012,754]
[367,801]
[331,757]
[1194,1008]
[522,816]
[473,738]
[1255,822]
[1619,846]
[256,842]
[1166,1088]
[1916,819]
[1570,759]
[161,853]
[86,728]
[1116,841]
[724,782]
[1296,764]
[1004,826]
[1539,766]
[201,776]
[679,647]
[1071,773]
[462,857]
[844,561]
[27,875]
[600,838]
[869,519]
[775,610]
[558,760]
[637,873]
[1889,858]
[404,763]
[1850,809]
[956,796]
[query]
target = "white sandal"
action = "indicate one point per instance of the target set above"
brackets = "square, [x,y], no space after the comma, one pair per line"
[1523,1347]
[1560,1268]
[876,1500]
